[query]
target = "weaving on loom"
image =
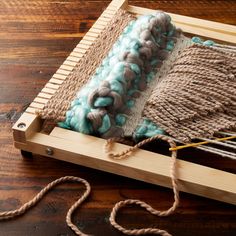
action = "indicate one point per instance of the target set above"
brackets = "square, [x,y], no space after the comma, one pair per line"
[141,79]
[152,80]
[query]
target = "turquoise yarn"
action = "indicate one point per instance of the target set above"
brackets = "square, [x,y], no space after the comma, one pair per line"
[103,102]
[121,77]
[147,129]
[130,103]
[106,124]
[170,45]
[84,126]
[196,40]
[150,76]
[200,41]
[120,119]
[208,43]
[117,87]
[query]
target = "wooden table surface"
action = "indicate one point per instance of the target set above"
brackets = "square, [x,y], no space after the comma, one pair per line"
[35,38]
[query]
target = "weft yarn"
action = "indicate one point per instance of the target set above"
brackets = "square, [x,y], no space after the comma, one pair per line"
[137,126]
[198,96]
[103,104]
[57,106]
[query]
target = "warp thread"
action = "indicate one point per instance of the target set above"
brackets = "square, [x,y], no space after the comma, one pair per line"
[103,104]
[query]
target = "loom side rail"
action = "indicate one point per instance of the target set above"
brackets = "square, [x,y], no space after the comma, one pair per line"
[143,165]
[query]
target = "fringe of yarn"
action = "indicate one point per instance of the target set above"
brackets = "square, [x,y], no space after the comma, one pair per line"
[198,96]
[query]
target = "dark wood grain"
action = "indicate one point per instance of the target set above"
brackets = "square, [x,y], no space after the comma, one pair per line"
[35,38]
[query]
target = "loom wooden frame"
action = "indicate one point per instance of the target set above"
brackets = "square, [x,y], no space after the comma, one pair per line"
[87,150]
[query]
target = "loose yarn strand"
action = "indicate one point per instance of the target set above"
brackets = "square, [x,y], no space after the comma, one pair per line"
[121,204]
[20,211]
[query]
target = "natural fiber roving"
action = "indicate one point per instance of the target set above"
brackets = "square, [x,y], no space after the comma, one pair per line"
[198,96]
[102,105]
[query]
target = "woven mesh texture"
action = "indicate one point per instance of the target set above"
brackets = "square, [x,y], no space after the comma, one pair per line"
[57,106]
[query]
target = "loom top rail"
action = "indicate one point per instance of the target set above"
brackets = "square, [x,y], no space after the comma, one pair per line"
[143,165]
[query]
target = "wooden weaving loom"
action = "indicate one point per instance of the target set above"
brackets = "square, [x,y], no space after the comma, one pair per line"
[87,150]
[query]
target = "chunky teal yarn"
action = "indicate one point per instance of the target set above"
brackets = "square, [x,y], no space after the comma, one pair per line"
[147,129]
[202,42]
[102,106]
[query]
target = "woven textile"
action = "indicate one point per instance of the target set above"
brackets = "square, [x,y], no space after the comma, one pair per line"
[198,96]
[135,115]
[57,106]
[102,106]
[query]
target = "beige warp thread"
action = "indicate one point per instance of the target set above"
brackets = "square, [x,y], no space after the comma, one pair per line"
[173,173]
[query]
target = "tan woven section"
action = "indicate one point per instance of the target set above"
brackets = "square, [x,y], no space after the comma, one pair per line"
[56,107]
[198,96]
[135,116]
